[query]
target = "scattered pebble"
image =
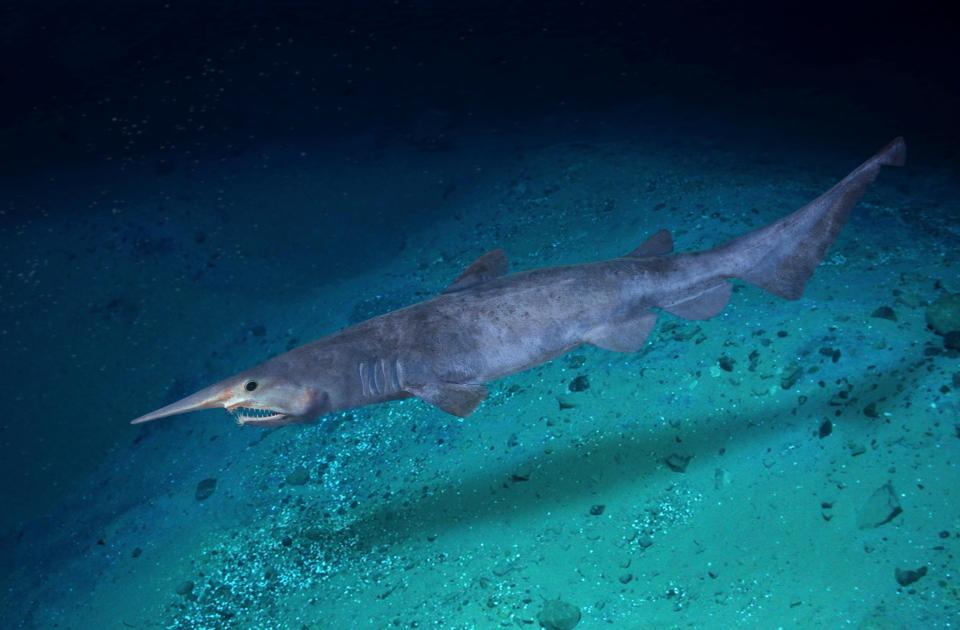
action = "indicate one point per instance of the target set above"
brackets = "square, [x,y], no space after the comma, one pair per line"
[884,312]
[298,476]
[521,474]
[579,384]
[870,410]
[557,614]
[943,316]
[597,510]
[906,577]
[185,588]
[313,533]
[790,376]
[726,363]
[856,448]
[678,463]
[720,478]
[951,340]
[882,507]
[206,488]
[833,353]
[826,428]
[136,552]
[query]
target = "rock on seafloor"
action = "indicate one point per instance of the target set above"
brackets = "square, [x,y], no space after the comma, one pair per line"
[882,507]
[557,614]
[205,489]
[943,316]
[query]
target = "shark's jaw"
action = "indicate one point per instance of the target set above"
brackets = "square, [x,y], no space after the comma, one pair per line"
[255,415]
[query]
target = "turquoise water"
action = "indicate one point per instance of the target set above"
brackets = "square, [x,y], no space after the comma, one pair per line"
[687,484]
[786,464]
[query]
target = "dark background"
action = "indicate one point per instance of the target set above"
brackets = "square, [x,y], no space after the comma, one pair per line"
[145,80]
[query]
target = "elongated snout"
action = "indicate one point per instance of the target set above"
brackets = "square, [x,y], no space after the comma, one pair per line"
[208,398]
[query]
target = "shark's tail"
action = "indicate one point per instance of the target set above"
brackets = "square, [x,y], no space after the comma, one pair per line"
[781,257]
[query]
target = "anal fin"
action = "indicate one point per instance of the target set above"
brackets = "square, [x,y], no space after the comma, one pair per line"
[628,335]
[702,305]
[454,398]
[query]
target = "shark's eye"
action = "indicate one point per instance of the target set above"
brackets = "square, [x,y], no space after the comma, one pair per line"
[250,386]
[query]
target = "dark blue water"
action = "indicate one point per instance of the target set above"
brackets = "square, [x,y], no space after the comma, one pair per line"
[189,189]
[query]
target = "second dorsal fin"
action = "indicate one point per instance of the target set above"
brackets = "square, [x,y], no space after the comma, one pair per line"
[660,244]
[491,265]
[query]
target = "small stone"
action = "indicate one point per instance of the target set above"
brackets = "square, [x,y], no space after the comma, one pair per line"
[870,410]
[790,376]
[678,463]
[906,577]
[597,510]
[136,552]
[298,476]
[258,331]
[882,507]
[564,405]
[313,533]
[951,341]
[856,449]
[206,488]
[833,353]
[884,312]
[721,478]
[521,474]
[579,384]
[645,541]
[626,578]
[943,316]
[726,363]
[557,614]
[826,428]
[185,588]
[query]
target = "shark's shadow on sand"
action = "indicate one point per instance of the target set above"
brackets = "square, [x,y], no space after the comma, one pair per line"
[582,472]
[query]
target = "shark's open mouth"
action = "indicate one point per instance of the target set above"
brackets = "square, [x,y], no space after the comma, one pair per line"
[244,415]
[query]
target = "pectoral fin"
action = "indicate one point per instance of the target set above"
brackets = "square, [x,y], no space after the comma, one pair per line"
[457,399]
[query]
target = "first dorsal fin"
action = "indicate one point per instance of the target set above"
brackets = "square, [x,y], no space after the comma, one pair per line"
[660,244]
[491,265]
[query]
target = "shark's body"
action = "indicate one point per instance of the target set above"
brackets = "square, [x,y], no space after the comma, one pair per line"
[487,324]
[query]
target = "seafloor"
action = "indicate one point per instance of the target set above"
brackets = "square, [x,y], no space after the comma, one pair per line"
[783,465]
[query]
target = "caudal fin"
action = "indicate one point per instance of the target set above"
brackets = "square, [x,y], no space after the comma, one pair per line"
[781,257]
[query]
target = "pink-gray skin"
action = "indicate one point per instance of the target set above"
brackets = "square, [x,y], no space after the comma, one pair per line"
[488,324]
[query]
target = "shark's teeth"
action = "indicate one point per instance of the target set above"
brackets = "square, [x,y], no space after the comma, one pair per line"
[242,414]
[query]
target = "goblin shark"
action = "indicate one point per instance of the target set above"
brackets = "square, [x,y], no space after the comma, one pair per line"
[488,324]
